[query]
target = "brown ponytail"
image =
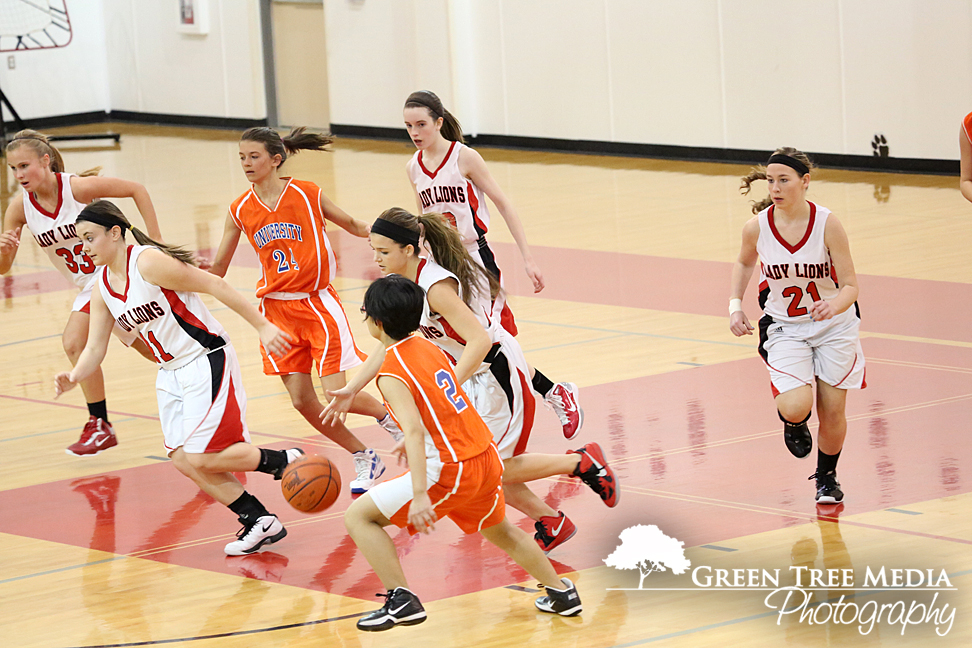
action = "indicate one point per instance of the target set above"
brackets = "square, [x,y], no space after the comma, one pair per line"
[297,140]
[106,214]
[447,249]
[41,146]
[759,173]
[451,128]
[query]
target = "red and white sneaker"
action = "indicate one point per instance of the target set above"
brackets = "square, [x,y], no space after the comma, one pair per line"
[594,471]
[553,530]
[562,399]
[96,436]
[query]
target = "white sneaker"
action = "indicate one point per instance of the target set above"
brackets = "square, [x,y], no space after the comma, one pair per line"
[369,467]
[391,427]
[562,399]
[266,529]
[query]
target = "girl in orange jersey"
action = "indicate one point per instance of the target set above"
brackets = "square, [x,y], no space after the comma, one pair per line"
[450,178]
[488,362]
[454,468]
[965,148]
[284,220]
[49,202]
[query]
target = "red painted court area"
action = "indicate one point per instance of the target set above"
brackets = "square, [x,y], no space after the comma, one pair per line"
[683,444]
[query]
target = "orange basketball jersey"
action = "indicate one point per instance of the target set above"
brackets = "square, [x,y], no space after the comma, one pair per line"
[967,124]
[456,432]
[289,238]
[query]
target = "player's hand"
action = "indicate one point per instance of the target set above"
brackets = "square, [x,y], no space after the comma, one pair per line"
[399,452]
[739,324]
[821,310]
[63,383]
[533,271]
[421,515]
[340,404]
[9,241]
[275,341]
[202,262]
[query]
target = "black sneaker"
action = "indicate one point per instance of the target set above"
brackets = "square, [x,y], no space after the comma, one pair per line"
[565,602]
[401,608]
[292,455]
[797,438]
[828,488]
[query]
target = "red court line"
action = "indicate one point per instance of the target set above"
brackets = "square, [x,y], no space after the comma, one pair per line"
[887,463]
[936,309]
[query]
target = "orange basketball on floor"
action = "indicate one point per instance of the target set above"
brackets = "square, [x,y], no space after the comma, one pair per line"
[311,483]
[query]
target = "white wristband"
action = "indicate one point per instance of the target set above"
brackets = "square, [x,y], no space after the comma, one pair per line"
[735,305]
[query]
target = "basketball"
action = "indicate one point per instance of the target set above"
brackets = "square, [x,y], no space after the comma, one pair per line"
[311,483]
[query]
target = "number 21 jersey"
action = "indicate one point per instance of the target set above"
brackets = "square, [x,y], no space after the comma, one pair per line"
[792,277]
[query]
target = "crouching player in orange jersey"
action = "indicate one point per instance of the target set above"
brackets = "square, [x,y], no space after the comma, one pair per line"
[455,470]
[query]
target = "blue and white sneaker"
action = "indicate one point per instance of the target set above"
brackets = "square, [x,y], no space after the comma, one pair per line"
[369,468]
[391,427]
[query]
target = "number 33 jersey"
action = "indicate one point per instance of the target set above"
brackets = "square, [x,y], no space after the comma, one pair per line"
[176,325]
[295,255]
[54,232]
[792,277]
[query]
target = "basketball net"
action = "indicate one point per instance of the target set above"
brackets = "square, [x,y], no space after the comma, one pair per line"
[33,24]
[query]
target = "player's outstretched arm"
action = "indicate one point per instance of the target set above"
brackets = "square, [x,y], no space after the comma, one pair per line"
[472,166]
[14,220]
[162,270]
[742,272]
[99,332]
[91,188]
[421,515]
[341,399]
[227,247]
[342,219]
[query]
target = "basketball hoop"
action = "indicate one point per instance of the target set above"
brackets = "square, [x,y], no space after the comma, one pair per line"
[27,25]
[33,24]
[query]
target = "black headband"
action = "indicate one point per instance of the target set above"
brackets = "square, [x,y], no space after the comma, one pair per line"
[395,232]
[102,219]
[791,162]
[427,103]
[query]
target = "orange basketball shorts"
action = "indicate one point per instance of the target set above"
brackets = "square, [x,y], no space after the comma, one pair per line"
[470,493]
[320,331]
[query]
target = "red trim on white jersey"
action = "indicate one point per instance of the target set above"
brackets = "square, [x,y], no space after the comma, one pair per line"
[442,164]
[179,308]
[806,235]
[128,279]
[60,199]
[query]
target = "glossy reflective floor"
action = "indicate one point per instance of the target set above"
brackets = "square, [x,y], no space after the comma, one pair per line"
[121,550]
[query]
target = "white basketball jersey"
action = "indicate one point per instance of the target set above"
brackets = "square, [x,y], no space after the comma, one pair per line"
[177,326]
[792,277]
[54,232]
[445,191]
[435,328]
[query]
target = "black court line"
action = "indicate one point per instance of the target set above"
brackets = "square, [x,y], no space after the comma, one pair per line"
[221,635]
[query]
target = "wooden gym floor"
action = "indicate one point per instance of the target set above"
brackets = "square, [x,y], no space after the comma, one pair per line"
[121,550]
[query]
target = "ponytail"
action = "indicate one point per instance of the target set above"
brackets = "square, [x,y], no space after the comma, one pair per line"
[447,250]
[297,140]
[451,128]
[106,214]
[40,144]
[759,173]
